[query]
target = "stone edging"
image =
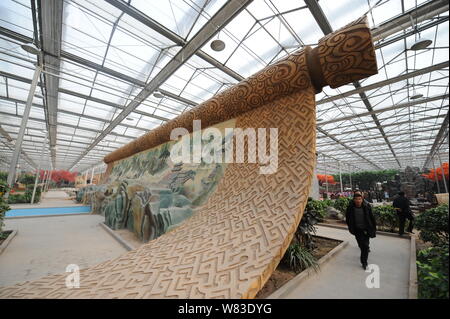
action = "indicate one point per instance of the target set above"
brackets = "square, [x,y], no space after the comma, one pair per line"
[384,233]
[294,282]
[7,240]
[412,289]
[121,241]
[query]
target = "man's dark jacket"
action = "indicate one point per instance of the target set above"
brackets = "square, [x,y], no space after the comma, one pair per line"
[403,203]
[368,216]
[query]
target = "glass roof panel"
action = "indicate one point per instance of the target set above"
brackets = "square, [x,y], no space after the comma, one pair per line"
[16,15]
[84,33]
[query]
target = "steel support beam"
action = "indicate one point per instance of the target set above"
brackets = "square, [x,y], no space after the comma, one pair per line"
[384,109]
[369,107]
[441,134]
[23,125]
[219,20]
[419,29]
[423,12]
[348,148]
[51,13]
[63,124]
[10,144]
[393,124]
[172,36]
[377,85]
[103,120]
[83,96]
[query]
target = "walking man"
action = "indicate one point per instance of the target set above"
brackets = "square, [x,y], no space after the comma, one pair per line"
[401,205]
[361,224]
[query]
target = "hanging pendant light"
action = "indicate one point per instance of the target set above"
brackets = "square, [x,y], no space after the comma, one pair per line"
[416,95]
[421,43]
[217,45]
[158,94]
[30,48]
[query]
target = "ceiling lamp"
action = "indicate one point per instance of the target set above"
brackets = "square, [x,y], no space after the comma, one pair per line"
[421,44]
[416,95]
[30,48]
[129,119]
[218,45]
[158,94]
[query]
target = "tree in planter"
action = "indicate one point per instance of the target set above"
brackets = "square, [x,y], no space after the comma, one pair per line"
[433,225]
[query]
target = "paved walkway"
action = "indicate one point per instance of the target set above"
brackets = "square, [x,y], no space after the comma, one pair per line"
[343,277]
[53,198]
[46,245]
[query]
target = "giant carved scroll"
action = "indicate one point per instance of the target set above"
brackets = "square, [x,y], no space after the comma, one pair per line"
[230,244]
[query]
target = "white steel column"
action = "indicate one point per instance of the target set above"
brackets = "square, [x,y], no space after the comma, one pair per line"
[443,175]
[39,168]
[326,176]
[23,125]
[435,177]
[350,175]
[92,175]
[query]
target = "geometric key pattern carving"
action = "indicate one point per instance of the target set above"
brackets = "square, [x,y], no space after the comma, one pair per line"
[231,245]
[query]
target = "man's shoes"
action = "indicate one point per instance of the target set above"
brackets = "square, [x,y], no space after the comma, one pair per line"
[364,266]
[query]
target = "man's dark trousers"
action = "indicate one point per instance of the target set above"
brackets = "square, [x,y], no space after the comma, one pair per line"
[362,237]
[402,220]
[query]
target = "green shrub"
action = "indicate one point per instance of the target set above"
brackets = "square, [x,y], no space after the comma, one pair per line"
[317,207]
[37,195]
[433,225]
[27,179]
[306,229]
[299,258]
[341,204]
[18,199]
[432,271]
[3,205]
[327,202]
[3,176]
[385,217]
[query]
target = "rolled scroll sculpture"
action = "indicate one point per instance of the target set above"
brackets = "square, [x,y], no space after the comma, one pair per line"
[235,237]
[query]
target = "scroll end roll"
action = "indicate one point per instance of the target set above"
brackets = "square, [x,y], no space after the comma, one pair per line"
[346,55]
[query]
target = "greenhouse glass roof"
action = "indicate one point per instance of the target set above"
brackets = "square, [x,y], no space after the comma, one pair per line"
[103,61]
